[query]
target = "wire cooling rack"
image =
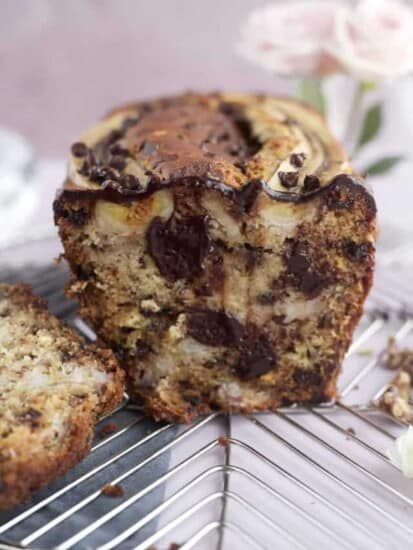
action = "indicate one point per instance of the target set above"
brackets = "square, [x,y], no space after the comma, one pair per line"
[313,477]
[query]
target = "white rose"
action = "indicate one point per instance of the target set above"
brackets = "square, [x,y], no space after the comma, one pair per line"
[374,39]
[290,37]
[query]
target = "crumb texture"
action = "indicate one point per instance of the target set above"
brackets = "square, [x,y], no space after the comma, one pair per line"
[230,272]
[53,388]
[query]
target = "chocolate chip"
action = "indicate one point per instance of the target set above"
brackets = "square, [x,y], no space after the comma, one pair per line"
[3,486]
[98,174]
[311,183]
[297,159]
[214,328]
[79,149]
[130,182]
[288,179]
[178,246]
[117,149]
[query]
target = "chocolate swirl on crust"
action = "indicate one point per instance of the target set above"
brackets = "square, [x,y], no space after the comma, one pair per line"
[240,145]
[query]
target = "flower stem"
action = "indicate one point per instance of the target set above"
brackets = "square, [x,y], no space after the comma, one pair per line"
[311,91]
[353,122]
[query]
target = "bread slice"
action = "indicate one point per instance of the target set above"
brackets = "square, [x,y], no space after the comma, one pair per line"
[223,246]
[53,387]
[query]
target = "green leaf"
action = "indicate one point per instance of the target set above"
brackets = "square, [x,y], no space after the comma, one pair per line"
[368,85]
[311,92]
[371,125]
[382,166]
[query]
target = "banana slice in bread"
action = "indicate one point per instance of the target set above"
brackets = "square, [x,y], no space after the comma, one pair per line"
[53,388]
[223,246]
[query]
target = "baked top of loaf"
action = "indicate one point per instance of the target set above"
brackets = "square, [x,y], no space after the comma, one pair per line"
[234,142]
[53,387]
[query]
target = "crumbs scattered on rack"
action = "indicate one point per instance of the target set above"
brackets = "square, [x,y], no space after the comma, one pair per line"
[110,490]
[107,429]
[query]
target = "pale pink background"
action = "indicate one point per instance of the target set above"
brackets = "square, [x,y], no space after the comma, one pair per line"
[64,63]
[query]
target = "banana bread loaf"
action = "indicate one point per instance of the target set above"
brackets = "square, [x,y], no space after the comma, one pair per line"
[52,390]
[223,246]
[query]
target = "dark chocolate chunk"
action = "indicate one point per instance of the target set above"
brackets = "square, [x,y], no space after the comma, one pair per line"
[79,149]
[307,377]
[178,247]
[312,283]
[257,356]
[306,278]
[214,328]
[288,179]
[297,263]
[297,159]
[358,251]
[311,183]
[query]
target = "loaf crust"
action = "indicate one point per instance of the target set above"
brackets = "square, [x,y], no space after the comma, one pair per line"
[223,246]
[53,388]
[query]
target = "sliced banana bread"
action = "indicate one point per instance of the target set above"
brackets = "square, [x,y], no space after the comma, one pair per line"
[53,388]
[223,246]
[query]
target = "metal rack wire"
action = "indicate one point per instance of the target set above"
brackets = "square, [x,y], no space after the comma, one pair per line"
[312,477]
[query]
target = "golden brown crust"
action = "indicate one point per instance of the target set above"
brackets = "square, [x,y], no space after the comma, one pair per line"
[53,389]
